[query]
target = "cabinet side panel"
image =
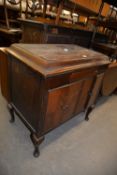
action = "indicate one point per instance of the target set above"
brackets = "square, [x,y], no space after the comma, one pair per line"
[25,92]
[4,75]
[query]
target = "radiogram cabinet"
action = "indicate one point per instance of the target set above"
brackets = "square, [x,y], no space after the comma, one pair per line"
[51,83]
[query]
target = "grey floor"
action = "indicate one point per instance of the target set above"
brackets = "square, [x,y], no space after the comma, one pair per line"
[76,148]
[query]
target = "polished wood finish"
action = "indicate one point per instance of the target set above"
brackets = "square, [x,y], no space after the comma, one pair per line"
[49,84]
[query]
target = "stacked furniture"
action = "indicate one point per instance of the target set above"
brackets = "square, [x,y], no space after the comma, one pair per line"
[10,31]
[42,32]
[110,79]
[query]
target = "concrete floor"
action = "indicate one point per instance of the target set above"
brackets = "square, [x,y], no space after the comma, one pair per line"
[75,148]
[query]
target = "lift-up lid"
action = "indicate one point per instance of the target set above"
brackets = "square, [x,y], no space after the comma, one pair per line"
[52,59]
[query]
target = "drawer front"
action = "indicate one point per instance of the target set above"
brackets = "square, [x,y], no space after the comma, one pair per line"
[61,80]
[65,102]
[82,75]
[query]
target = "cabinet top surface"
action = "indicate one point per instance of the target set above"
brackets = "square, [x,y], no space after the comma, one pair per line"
[56,58]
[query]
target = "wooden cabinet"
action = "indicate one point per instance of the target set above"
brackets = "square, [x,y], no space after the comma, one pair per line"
[50,84]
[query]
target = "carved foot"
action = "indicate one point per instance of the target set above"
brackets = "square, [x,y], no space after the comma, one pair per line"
[36,141]
[11,110]
[88,112]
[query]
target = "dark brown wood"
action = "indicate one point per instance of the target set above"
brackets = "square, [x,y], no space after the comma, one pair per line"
[94,94]
[44,8]
[36,141]
[96,26]
[110,80]
[49,84]
[9,37]
[106,48]
[36,32]
[58,58]
[4,73]
[6,15]
[60,8]
[11,110]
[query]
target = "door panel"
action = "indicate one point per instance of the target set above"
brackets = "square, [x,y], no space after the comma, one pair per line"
[85,95]
[66,101]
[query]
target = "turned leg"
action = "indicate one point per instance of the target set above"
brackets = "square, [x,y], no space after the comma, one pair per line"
[11,110]
[36,141]
[88,112]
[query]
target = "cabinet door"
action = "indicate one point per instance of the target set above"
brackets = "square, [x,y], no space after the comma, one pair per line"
[85,95]
[95,90]
[66,101]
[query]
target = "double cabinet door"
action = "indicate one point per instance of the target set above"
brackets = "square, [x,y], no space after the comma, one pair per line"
[67,101]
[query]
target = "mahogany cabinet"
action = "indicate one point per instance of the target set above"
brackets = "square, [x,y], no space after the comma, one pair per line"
[51,83]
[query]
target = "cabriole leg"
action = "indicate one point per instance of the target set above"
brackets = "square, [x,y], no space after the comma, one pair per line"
[11,110]
[88,112]
[36,141]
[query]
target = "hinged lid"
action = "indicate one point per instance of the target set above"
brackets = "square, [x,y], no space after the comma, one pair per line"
[52,59]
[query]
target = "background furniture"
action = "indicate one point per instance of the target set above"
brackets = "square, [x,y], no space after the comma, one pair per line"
[42,32]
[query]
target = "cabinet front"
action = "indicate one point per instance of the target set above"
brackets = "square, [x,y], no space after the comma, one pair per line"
[66,101]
